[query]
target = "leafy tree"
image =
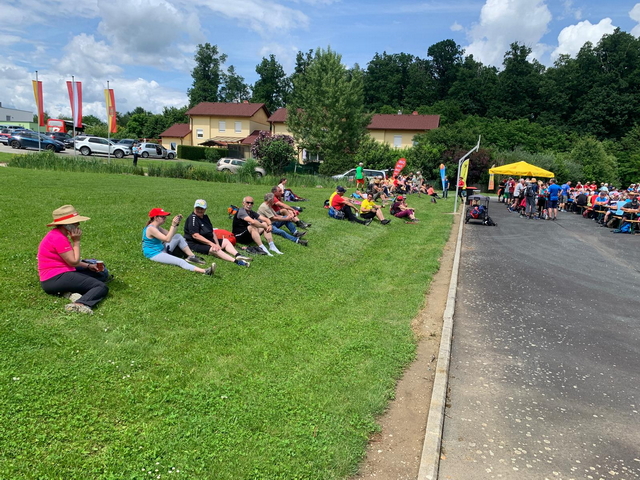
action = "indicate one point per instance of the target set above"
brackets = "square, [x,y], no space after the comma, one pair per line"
[326,113]
[597,164]
[91,120]
[233,89]
[475,87]
[173,115]
[446,59]
[154,126]
[421,86]
[627,151]
[275,152]
[273,86]
[137,124]
[386,80]
[207,75]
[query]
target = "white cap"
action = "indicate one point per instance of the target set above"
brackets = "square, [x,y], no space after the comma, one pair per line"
[200,204]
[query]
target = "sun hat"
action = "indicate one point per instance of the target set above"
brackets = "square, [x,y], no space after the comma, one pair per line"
[200,204]
[66,215]
[158,212]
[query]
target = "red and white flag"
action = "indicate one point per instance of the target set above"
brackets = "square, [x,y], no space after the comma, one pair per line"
[110,100]
[400,164]
[75,97]
[37,94]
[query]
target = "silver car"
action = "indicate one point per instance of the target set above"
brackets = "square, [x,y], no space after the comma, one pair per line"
[154,150]
[232,165]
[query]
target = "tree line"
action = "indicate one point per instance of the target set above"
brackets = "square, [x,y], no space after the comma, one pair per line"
[577,117]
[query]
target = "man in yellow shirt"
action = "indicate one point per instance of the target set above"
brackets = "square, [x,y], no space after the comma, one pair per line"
[369,210]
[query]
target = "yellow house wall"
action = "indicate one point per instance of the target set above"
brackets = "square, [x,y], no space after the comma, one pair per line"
[386,136]
[166,141]
[211,127]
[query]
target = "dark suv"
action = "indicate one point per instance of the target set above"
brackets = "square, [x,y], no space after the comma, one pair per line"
[61,137]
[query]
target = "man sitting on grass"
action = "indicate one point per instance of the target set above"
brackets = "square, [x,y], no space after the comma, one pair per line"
[249,226]
[281,220]
[341,204]
[278,205]
[369,210]
[202,239]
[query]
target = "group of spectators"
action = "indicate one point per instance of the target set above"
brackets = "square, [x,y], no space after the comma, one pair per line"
[605,203]
[341,207]
[62,271]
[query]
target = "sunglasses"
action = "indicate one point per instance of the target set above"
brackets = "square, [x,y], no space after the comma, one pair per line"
[249,203]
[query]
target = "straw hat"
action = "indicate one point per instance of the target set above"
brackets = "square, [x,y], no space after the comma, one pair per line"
[66,215]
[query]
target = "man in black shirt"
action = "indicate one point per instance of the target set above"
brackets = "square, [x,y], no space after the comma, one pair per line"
[201,237]
[249,226]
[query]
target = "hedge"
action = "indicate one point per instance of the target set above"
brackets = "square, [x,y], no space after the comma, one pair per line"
[201,154]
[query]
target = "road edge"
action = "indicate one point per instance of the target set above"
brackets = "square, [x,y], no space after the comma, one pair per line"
[430,459]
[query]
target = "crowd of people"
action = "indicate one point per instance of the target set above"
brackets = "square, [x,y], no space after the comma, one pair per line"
[607,205]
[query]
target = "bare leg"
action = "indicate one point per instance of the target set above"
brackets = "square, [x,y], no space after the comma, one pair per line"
[255,234]
[379,214]
[228,247]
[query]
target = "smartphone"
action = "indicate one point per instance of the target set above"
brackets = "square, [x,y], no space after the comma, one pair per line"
[69,227]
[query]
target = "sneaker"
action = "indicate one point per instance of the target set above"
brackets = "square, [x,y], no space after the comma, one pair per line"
[275,250]
[196,260]
[306,225]
[368,222]
[211,270]
[242,263]
[385,221]
[78,307]
[303,242]
[244,259]
[299,234]
[73,297]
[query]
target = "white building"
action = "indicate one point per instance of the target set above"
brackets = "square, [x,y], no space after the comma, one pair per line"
[14,115]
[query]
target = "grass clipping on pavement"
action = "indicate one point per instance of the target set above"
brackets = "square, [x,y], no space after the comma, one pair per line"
[273,372]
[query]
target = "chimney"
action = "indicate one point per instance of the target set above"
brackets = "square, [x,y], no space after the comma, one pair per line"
[245,101]
[414,113]
[399,112]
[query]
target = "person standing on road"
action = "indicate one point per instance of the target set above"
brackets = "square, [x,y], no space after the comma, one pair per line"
[554,193]
[531,193]
[135,149]
[564,196]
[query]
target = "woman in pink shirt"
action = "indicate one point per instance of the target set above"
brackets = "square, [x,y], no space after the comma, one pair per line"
[61,268]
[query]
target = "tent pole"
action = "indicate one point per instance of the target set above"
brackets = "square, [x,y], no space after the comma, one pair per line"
[474,149]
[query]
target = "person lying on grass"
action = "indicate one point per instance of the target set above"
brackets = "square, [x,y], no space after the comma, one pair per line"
[202,239]
[278,205]
[281,220]
[341,204]
[288,193]
[60,268]
[164,246]
[369,210]
[250,226]
[401,210]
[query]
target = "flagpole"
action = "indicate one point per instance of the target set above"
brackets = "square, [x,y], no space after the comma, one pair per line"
[73,114]
[108,131]
[474,149]
[39,119]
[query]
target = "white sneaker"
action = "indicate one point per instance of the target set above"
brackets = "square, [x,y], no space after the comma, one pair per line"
[78,307]
[264,249]
[275,250]
[73,297]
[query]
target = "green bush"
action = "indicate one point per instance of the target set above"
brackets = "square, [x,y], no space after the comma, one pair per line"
[50,161]
[198,154]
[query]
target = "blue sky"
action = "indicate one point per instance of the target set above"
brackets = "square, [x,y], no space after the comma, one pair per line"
[145,48]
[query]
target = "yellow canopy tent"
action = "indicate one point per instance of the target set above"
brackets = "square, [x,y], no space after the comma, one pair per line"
[521,169]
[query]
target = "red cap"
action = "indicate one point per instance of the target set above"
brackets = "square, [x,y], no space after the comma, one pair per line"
[158,212]
[400,197]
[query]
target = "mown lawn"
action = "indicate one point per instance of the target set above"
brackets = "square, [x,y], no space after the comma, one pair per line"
[272,372]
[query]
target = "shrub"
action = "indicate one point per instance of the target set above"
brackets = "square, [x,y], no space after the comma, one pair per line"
[275,152]
[198,154]
[50,161]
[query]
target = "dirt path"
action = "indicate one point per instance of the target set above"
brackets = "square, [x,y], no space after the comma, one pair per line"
[394,453]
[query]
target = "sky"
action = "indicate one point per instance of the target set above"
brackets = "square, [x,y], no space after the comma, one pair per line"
[145,48]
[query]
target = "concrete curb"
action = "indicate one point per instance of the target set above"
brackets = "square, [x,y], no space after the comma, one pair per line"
[430,460]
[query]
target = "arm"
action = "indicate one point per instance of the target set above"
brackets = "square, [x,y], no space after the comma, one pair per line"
[72,257]
[162,234]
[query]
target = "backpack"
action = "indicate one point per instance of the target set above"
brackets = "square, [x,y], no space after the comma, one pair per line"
[232,210]
[530,192]
[337,214]
[625,228]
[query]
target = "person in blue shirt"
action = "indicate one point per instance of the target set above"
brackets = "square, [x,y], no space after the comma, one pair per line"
[564,196]
[554,192]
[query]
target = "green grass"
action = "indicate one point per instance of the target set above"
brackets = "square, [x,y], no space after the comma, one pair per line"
[272,372]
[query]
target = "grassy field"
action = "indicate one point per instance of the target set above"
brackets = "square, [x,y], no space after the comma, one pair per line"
[273,372]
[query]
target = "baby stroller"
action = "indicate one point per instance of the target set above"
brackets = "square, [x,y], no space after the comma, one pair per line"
[478,209]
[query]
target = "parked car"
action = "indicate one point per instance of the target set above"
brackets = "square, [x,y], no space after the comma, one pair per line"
[24,139]
[61,137]
[126,141]
[232,165]
[5,133]
[351,174]
[88,145]
[152,150]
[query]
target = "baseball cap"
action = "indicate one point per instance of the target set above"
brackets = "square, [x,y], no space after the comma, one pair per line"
[200,204]
[158,212]
[399,197]
[340,189]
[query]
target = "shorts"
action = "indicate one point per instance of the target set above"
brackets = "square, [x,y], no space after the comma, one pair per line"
[368,215]
[552,204]
[244,237]
[563,198]
[359,181]
[201,248]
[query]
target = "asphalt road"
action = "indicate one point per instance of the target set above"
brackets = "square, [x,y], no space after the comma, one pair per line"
[545,366]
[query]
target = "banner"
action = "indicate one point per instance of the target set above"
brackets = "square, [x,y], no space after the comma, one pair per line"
[443,174]
[400,164]
[464,170]
[110,100]
[37,94]
[491,181]
[75,97]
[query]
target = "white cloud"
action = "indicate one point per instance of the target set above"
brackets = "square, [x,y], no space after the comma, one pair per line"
[95,59]
[572,38]
[503,22]
[456,27]
[635,15]
[260,16]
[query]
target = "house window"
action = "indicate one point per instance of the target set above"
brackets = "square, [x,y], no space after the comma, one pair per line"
[222,126]
[238,127]
[397,141]
[200,133]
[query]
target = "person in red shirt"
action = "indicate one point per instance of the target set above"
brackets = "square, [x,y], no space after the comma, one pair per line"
[342,204]
[461,188]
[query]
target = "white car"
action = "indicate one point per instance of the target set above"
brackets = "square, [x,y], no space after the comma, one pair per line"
[232,165]
[88,145]
[154,150]
[368,173]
